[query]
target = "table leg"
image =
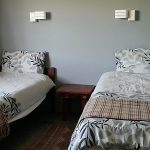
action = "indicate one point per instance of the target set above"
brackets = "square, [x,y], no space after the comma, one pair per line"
[66,107]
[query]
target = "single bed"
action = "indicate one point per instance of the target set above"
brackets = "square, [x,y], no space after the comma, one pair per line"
[23,87]
[117,116]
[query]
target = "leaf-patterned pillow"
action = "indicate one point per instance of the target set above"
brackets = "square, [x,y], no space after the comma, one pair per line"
[23,61]
[133,60]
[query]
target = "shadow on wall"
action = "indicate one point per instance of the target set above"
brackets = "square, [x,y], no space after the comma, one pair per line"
[47,60]
[0,57]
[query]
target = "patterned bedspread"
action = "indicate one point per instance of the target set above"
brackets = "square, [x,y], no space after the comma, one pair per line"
[21,93]
[122,124]
[105,129]
[9,106]
[26,91]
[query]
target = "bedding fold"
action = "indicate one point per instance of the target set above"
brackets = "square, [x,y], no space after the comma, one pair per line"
[123,109]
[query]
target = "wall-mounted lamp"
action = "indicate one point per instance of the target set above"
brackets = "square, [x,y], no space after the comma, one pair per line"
[121,14]
[131,15]
[38,15]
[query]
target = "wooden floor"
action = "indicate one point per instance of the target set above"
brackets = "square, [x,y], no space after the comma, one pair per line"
[24,132]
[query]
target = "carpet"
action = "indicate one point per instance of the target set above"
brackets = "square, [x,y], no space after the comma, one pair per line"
[55,137]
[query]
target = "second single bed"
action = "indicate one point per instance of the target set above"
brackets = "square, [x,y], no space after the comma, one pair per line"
[117,116]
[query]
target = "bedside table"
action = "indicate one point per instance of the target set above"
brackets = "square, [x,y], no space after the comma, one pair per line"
[69,91]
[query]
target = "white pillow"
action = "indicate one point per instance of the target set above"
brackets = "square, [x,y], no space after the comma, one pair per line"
[133,60]
[23,61]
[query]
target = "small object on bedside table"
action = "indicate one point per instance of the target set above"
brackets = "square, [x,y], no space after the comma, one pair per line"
[69,91]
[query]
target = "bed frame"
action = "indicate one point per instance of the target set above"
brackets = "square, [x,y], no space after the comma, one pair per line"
[51,72]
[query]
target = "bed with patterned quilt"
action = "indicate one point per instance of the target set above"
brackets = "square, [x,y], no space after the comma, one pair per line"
[23,86]
[117,115]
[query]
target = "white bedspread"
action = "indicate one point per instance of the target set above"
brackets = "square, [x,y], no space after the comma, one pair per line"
[112,133]
[124,84]
[26,89]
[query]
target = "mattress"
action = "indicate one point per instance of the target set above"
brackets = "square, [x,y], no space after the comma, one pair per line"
[107,133]
[21,93]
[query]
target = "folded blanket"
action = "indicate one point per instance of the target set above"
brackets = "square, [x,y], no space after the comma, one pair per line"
[112,108]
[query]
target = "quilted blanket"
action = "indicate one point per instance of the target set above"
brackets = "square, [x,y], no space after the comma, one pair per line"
[117,109]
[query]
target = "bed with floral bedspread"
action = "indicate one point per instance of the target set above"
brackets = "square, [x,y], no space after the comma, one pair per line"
[23,85]
[102,126]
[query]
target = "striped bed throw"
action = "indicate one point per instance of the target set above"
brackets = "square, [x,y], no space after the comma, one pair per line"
[4,126]
[122,109]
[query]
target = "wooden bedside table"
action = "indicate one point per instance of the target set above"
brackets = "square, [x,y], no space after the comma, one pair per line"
[69,91]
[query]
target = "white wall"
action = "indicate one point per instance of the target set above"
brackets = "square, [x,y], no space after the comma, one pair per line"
[81,36]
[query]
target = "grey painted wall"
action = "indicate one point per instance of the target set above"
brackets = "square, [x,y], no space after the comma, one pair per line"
[81,36]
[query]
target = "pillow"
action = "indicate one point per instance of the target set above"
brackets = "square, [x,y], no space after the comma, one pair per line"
[23,61]
[133,60]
